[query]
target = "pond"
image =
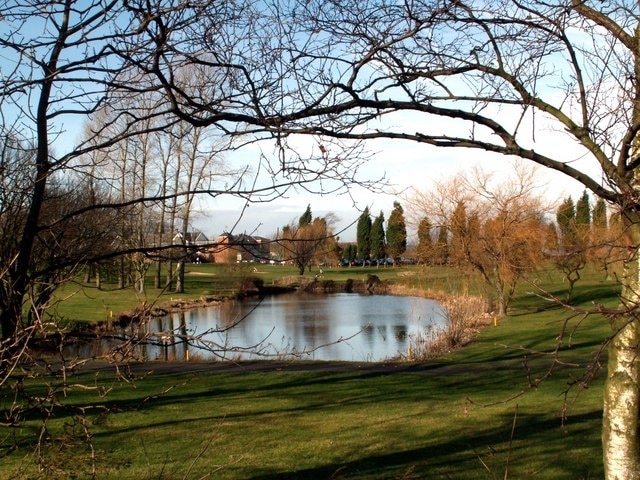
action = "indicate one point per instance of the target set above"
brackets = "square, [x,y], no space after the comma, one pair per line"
[343,326]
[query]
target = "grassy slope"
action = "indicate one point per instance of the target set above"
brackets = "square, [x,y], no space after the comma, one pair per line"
[450,418]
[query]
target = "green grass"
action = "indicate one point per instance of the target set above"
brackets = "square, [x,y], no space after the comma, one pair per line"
[451,418]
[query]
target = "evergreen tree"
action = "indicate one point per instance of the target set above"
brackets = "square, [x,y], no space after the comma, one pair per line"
[396,232]
[442,246]
[599,216]
[566,217]
[377,238]
[583,210]
[363,234]
[306,218]
[350,252]
[459,233]
[425,242]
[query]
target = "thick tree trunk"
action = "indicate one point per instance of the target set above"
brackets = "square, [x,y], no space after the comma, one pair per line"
[620,429]
[621,403]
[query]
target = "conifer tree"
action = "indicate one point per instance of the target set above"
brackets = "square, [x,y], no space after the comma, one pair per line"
[363,234]
[378,238]
[583,210]
[442,246]
[396,232]
[566,217]
[459,234]
[425,242]
[599,216]
[306,218]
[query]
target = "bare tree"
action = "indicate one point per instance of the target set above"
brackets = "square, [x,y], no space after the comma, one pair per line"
[570,254]
[202,167]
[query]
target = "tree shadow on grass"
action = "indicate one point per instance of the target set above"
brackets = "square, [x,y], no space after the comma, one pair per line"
[582,296]
[486,455]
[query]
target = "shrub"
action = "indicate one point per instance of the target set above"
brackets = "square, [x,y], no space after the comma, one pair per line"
[466,315]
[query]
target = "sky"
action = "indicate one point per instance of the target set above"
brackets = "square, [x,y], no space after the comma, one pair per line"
[405,164]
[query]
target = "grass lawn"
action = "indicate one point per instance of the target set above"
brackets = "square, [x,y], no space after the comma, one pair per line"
[468,415]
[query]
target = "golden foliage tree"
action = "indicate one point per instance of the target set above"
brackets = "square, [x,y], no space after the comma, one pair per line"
[496,229]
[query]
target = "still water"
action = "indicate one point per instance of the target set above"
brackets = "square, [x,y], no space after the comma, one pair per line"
[342,326]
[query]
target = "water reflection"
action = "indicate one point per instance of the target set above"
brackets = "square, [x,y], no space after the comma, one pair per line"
[323,327]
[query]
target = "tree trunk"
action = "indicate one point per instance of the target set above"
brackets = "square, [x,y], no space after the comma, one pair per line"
[621,402]
[122,282]
[180,277]
[169,281]
[502,305]
[139,282]
[157,279]
[621,391]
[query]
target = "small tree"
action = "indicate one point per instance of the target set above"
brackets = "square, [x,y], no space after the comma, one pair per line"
[307,242]
[570,256]
[441,247]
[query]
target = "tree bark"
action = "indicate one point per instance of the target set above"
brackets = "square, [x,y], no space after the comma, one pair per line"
[180,276]
[621,448]
[620,421]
